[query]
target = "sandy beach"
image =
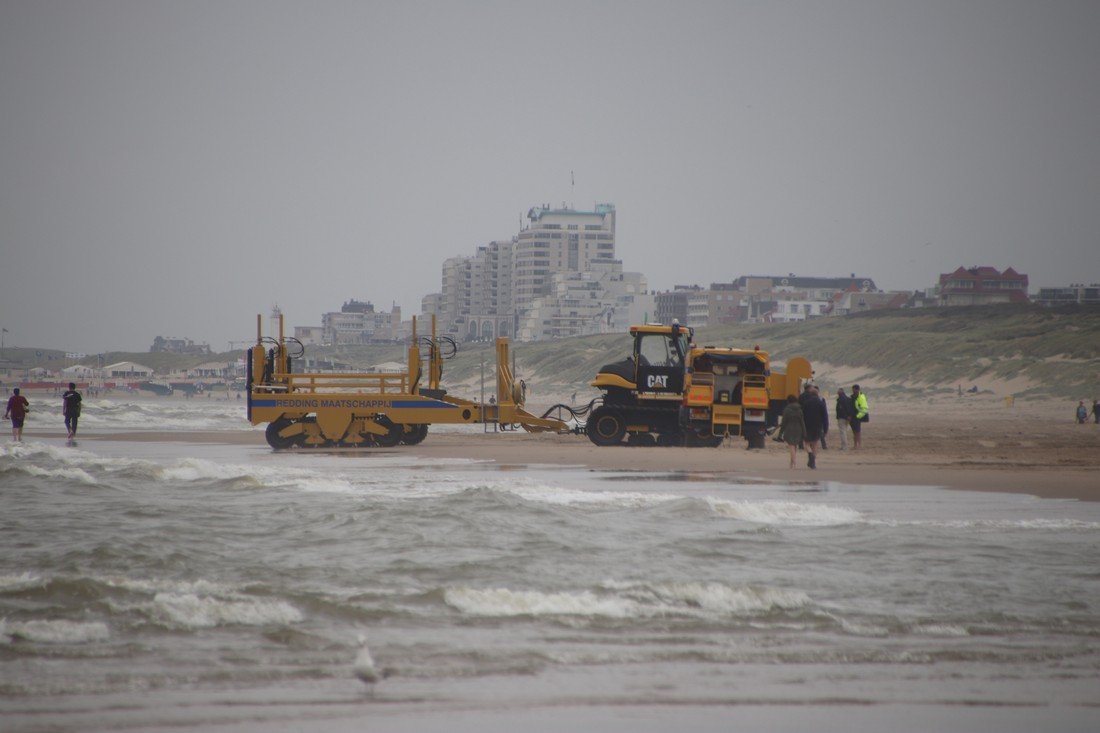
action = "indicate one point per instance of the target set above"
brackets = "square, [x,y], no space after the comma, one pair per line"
[970,443]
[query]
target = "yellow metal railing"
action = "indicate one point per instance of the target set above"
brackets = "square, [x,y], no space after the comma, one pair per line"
[383,383]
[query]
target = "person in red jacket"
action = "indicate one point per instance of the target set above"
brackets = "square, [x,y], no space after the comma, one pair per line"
[17,411]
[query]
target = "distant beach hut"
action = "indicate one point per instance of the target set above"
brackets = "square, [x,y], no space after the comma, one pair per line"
[77,372]
[387,367]
[127,370]
[210,370]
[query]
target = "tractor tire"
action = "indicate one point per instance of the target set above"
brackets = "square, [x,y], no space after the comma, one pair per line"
[756,439]
[605,427]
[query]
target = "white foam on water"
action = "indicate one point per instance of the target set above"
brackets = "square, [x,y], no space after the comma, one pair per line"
[199,413]
[790,513]
[54,632]
[506,602]
[862,629]
[76,475]
[939,630]
[153,586]
[21,582]
[198,469]
[716,598]
[995,525]
[191,611]
[572,497]
[628,600]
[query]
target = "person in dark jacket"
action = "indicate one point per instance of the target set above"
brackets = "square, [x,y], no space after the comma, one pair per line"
[843,416]
[792,426]
[816,415]
[70,408]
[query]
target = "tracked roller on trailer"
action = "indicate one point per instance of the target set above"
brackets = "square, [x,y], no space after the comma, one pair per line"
[363,410]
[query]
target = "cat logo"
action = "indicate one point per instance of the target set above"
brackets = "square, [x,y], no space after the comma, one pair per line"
[657,380]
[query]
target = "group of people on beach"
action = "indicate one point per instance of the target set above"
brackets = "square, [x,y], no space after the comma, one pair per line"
[18,407]
[805,421]
[1083,412]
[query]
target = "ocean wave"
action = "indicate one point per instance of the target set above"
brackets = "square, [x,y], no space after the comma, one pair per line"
[54,631]
[784,512]
[573,497]
[770,512]
[43,460]
[196,414]
[23,581]
[995,525]
[620,600]
[191,611]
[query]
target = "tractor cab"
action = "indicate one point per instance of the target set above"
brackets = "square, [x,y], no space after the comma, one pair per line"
[660,353]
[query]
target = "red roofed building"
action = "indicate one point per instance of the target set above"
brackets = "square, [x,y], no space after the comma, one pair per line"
[982,286]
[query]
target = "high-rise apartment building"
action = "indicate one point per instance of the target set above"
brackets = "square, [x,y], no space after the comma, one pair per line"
[528,287]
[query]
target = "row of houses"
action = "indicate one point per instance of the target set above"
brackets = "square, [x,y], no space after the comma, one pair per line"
[129,371]
[789,298]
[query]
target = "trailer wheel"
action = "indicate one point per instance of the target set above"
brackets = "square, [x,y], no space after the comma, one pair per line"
[605,427]
[276,441]
[393,432]
[414,434]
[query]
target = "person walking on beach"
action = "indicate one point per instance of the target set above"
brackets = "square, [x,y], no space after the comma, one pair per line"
[1096,411]
[843,416]
[792,426]
[860,415]
[70,408]
[814,415]
[18,407]
[1082,413]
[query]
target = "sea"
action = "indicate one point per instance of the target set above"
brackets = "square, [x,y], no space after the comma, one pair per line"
[213,586]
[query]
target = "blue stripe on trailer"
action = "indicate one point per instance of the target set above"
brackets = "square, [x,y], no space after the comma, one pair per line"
[396,403]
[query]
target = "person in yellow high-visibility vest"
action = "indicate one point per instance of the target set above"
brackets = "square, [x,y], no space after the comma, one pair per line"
[861,414]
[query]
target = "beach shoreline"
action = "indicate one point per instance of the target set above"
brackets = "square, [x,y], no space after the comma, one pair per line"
[972,445]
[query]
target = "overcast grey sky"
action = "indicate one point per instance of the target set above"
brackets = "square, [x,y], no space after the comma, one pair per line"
[173,168]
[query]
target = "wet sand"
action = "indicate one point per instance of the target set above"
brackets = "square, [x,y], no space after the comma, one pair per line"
[970,444]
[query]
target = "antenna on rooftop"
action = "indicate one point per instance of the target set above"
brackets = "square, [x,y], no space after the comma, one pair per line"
[572,188]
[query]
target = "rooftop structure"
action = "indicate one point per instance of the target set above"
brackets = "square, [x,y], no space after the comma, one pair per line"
[982,286]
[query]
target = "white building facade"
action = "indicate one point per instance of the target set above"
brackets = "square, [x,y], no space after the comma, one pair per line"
[557,277]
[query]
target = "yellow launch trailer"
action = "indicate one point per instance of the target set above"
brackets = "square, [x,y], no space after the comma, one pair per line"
[359,410]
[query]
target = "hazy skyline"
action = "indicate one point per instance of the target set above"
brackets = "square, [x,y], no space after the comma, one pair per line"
[174,168]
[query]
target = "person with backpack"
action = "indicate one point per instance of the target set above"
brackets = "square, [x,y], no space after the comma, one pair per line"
[70,408]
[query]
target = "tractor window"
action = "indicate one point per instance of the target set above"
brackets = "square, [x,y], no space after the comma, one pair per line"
[657,350]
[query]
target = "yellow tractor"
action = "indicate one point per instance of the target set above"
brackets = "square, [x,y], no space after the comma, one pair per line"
[671,392]
[360,410]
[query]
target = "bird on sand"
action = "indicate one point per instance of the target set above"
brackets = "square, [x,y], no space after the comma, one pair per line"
[364,664]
